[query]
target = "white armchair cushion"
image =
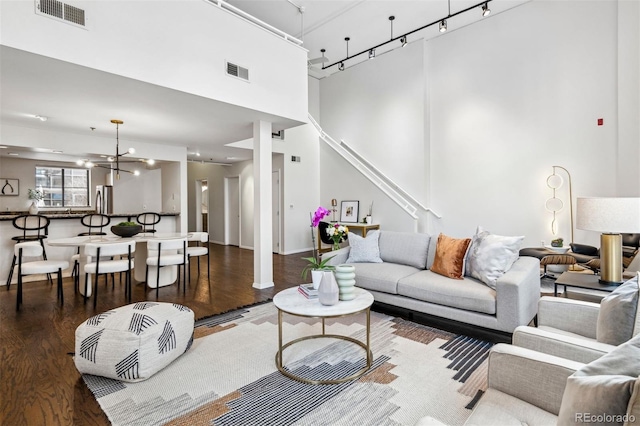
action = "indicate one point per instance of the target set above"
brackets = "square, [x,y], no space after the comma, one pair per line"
[560,343]
[619,314]
[574,316]
[604,386]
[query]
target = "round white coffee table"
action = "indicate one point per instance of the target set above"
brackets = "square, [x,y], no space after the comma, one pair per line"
[290,301]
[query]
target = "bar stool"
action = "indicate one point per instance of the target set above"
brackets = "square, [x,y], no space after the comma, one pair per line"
[34,229]
[95,222]
[148,221]
[33,249]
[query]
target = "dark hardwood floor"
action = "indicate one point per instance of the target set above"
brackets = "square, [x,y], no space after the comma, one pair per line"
[39,384]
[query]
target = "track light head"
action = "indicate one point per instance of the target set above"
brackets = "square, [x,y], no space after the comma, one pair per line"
[485,10]
[403,41]
[341,66]
[372,53]
[443,26]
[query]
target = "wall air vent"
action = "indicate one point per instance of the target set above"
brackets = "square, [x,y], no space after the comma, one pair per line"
[62,11]
[237,71]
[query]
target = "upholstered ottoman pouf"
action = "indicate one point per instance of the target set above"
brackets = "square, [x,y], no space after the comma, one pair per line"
[133,342]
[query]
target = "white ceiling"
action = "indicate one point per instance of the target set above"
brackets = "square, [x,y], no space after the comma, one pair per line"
[76,98]
[324,24]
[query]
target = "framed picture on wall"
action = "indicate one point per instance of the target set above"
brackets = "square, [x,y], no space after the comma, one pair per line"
[349,211]
[9,186]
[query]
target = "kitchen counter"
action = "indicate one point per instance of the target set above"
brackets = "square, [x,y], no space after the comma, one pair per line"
[76,214]
[65,225]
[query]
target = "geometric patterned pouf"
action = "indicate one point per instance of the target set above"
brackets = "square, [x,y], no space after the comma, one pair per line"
[133,342]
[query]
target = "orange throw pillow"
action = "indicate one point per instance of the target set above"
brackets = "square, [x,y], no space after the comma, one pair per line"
[450,255]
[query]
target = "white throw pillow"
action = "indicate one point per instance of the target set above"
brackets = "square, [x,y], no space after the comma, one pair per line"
[490,256]
[619,312]
[364,250]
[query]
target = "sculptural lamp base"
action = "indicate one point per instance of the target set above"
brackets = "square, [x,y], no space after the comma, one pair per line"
[611,259]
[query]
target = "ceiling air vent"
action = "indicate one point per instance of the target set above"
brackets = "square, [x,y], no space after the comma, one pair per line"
[237,71]
[63,11]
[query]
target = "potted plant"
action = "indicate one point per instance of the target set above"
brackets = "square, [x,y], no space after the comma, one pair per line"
[36,195]
[316,267]
[126,229]
[558,242]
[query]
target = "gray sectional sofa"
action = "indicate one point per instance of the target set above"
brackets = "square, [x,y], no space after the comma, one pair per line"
[404,280]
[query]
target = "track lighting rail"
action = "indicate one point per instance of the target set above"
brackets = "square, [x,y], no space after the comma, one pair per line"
[404,36]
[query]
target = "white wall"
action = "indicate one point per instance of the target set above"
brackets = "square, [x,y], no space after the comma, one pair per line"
[503,100]
[299,181]
[181,45]
[378,108]
[25,171]
[131,194]
[628,179]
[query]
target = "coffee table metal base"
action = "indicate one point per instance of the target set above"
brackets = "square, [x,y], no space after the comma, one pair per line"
[366,346]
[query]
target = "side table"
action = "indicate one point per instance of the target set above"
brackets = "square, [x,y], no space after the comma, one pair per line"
[577,280]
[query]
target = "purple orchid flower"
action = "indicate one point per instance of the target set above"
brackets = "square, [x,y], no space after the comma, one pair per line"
[319,215]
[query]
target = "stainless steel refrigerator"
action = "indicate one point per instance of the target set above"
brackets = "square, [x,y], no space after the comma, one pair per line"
[104,199]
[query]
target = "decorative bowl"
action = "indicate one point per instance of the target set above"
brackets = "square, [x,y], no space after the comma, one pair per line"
[126,231]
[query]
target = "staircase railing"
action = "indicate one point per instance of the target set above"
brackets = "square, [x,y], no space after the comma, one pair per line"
[224,5]
[392,190]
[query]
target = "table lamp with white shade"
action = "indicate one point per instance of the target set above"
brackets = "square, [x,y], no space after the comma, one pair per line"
[611,217]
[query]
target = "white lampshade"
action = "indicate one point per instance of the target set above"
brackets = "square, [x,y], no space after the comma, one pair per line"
[609,215]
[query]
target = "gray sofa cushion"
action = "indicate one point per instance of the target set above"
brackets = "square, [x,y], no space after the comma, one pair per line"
[381,277]
[467,293]
[405,248]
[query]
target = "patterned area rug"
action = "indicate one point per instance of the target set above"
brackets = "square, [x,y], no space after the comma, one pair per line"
[229,377]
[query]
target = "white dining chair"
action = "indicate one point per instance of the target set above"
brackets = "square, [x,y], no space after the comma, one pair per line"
[200,249]
[167,252]
[108,258]
[34,249]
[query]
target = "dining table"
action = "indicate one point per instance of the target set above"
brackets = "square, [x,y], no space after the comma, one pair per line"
[168,275]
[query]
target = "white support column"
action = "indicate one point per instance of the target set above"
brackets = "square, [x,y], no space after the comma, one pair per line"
[262,244]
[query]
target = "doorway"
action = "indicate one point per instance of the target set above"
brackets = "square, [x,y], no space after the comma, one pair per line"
[202,205]
[232,211]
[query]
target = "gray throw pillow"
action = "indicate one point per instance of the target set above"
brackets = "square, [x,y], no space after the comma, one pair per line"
[603,387]
[618,314]
[490,256]
[364,250]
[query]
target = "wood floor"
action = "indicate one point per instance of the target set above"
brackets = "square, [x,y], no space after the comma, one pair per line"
[39,384]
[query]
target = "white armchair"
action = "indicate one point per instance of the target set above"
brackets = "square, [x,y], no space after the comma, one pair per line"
[566,328]
[536,389]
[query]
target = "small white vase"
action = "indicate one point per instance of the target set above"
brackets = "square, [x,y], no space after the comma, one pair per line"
[368,220]
[328,291]
[316,277]
[346,279]
[33,208]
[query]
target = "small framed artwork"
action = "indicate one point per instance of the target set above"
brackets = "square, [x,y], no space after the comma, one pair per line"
[349,211]
[9,186]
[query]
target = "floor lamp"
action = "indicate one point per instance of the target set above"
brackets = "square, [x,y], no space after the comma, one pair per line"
[610,216]
[555,204]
